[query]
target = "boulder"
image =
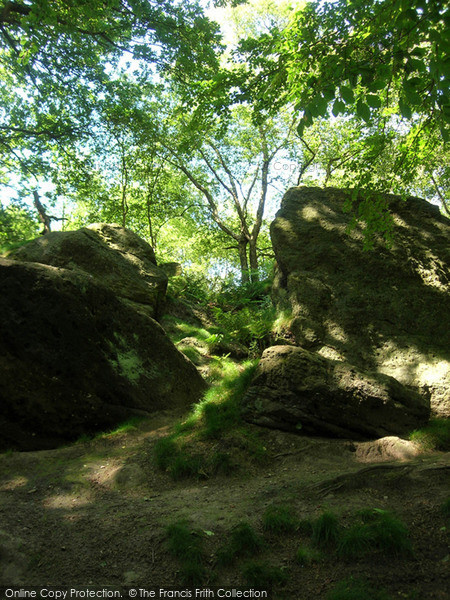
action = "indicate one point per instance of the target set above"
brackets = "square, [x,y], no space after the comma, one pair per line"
[77,359]
[383,310]
[298,390]
[386,449]
[112,255]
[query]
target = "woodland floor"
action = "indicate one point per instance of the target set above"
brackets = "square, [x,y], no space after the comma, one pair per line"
[96,513]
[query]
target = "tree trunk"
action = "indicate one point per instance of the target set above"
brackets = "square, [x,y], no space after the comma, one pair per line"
[242,248]
[43,216]
[253,261]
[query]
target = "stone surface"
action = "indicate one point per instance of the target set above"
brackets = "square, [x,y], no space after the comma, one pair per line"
[386,449]
[298,390]
[76,359]
[113,255]
[384,310]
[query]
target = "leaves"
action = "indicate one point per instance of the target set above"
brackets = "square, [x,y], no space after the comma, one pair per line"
[347,94]
[363,111]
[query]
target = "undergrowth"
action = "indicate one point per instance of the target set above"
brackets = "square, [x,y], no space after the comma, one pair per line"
[279,519]
[356,589]
[185,545]
[434,436]
[244,542]
[263,575]
[194,449]
[373,530]
[127,426]
[306,555]
[325,530]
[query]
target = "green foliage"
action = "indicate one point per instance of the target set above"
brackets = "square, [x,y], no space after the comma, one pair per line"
[166,451]
[378,530]
[325,530]
[356,541]
[388,532]
[244,542]
[195,287]
[380,69]
[178,329]
[186,465]
[306,555]
[356,589]
[173,457]
[279,520]
[434,436]
[363,48]
[60,59]
[263,575]
[185,545]
[212,418]
[249,326]
[220,409]
[17,226]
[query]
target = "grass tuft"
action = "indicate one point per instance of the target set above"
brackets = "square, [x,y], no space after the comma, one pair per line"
[306,555]
[263,575]
[387,532]
[356,589]
[166,450]
[185,545]
[355,542]
[187,465]
[325,530]
[434,436]
[279,519]
[192,574]
[216,417]
[244,542]
[378,530]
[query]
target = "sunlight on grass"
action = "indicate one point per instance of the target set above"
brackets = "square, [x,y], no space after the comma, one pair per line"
[184,454]
[434,436]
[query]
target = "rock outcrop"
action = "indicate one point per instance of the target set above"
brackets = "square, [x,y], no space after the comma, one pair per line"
[77,359]
[382,311]
[298,390]
[116,257]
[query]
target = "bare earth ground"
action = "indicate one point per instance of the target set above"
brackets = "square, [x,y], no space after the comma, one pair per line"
[96,512]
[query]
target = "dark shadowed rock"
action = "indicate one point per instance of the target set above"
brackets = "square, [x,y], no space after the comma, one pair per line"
[113,255]
[384,310]
[76,359]
[298,390]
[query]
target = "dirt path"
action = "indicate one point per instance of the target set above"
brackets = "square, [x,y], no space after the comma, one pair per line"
[96,513]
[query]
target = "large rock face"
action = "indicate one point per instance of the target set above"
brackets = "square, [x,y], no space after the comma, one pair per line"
[383,311]
[76,359]
[298,390]
[114,256]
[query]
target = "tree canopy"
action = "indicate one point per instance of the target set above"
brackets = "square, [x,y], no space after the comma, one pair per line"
[138,112]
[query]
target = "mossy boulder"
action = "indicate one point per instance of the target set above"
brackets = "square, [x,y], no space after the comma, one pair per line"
[383,310]
[113,255]
[300,391]
[77,359]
